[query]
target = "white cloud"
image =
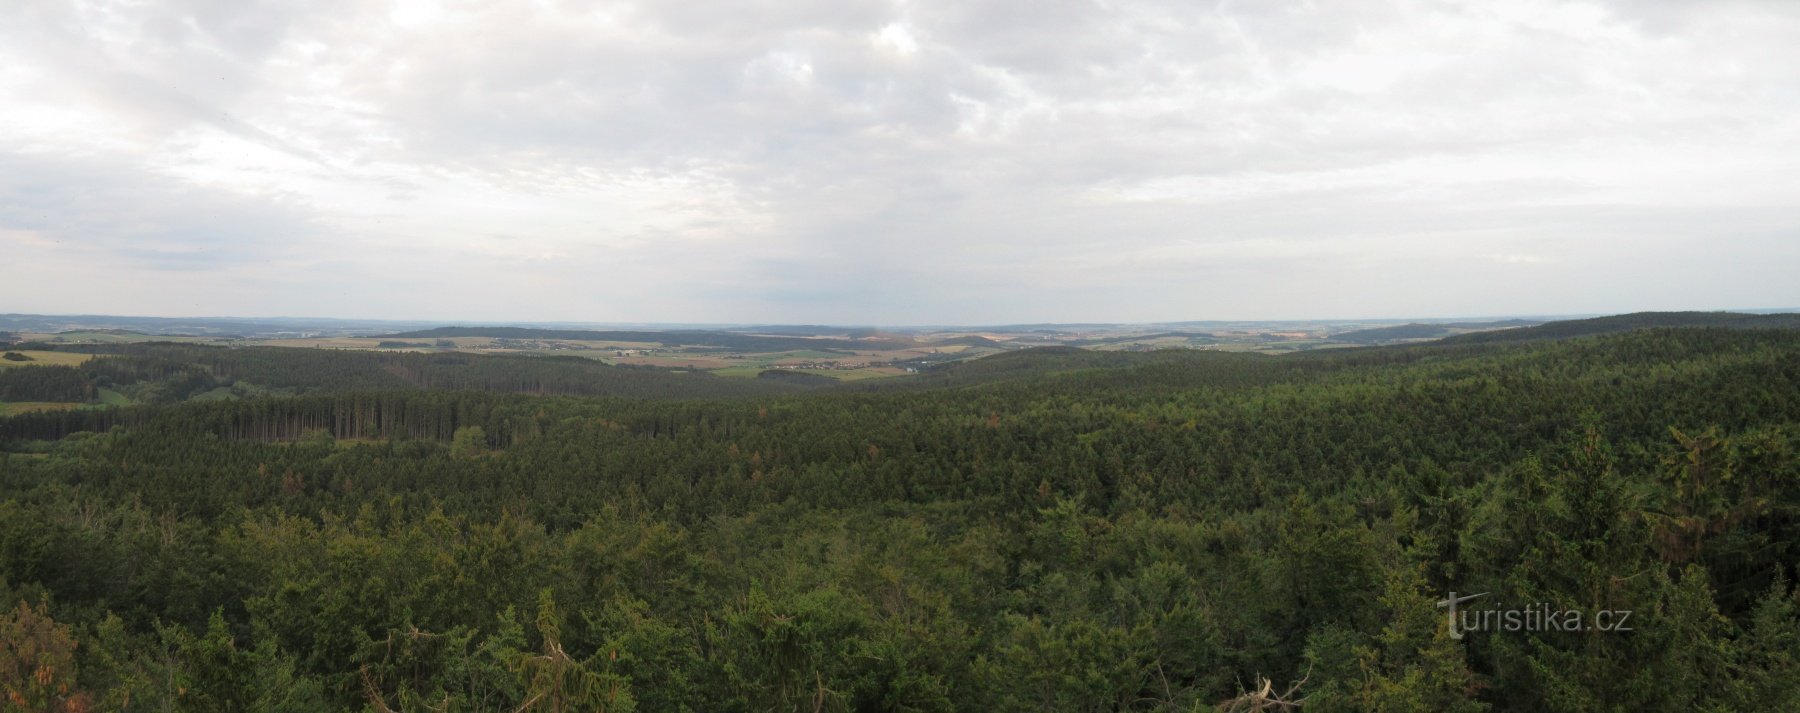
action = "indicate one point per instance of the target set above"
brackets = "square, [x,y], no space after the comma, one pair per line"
[861,162]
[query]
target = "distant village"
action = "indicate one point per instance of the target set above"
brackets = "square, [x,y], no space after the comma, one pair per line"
[839,365]
[541,345]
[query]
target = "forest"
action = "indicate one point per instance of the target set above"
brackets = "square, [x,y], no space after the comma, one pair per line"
[1051,529]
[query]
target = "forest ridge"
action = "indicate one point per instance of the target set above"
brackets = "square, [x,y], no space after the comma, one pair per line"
[284,529]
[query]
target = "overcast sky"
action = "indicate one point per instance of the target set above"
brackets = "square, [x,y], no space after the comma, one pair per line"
[898,162]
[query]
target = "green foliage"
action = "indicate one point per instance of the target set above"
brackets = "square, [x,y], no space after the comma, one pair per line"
[37,382]
[1042,530]
[468,442]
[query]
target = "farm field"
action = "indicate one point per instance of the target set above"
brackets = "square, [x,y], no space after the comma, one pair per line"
[673,361]
[744,352]
[29,406]
[475,344]
[107,337]
[46,358]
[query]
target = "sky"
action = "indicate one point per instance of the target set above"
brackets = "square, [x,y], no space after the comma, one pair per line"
[907,162]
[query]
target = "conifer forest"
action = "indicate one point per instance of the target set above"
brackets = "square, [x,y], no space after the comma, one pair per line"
[1047,529]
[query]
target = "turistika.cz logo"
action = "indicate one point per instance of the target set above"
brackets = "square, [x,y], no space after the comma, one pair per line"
[1536,617]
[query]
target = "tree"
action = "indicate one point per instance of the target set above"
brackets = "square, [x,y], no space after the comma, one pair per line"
[469,442]
[557,683]
[37,663]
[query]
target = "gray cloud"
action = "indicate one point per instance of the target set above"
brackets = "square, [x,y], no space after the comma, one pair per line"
[920,162]
[97,210]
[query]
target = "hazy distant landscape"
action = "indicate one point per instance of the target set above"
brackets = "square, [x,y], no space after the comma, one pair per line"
[810,356]
[835,353]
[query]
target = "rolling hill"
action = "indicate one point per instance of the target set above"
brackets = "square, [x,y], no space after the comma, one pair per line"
[1627,322]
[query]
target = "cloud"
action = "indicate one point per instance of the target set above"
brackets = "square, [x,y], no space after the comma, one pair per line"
[915,161]
[1516,258]
[101,211]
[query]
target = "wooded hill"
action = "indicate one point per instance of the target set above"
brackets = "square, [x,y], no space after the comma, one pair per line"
[167,373]
[1049,529]
[1564,329]
[1396,332]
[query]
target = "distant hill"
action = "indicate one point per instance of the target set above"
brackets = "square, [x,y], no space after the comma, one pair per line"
[1050,327]
[1039,360]
[1499,324]
[697,338]
[116,332]
[972,340]
[1005,366]
[1420,330]
[1377,335]
[1627,322]
[1202,336]
[202,326]
[808,330]
[1043,367]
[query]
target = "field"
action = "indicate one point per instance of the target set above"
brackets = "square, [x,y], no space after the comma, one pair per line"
[322,343]
[28,406]
[874,372]
[844,365]
[674,361]
[472,344]
[848,359]
[46,358]
[107,337]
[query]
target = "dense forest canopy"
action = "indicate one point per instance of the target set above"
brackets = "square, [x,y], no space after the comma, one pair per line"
[1045,529]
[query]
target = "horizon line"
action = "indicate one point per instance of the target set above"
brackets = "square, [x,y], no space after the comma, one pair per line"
[478,323]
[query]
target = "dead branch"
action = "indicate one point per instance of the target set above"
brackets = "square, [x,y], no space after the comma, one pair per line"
[1266,698]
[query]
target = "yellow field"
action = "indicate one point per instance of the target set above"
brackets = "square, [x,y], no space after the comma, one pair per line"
[25,406]
[872,372]
[47,358]
[678,360]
